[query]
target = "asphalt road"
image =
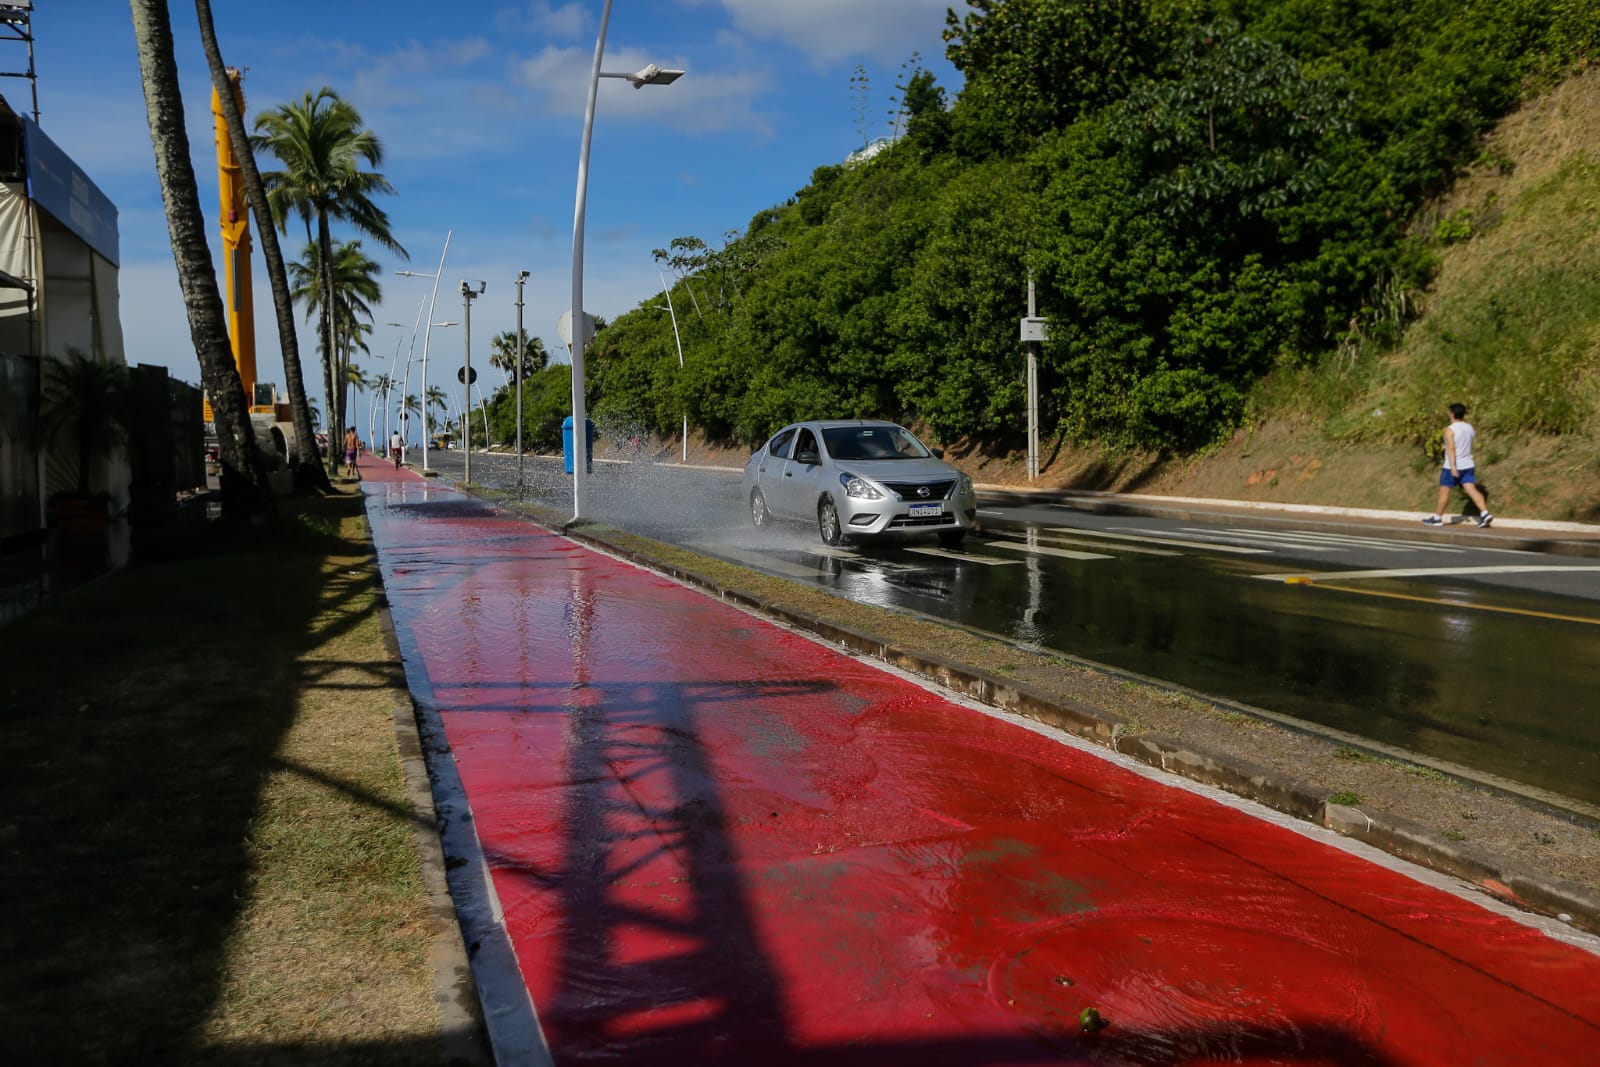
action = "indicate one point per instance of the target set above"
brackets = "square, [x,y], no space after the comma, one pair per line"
[1485,657]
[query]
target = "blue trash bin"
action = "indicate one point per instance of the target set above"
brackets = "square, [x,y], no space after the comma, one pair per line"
[567,445]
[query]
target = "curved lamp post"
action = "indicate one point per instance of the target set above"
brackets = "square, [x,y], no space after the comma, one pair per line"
[650,75]
[426,334]
[679,342]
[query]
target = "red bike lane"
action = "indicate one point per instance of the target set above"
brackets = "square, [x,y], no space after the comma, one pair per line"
[717,841]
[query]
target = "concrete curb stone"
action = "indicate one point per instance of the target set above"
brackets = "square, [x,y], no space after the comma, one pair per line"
[455,993]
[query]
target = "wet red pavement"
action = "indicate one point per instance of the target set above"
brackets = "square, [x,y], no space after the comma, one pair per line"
[718,842]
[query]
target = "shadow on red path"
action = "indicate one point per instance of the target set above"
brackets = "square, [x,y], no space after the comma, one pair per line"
[717,842]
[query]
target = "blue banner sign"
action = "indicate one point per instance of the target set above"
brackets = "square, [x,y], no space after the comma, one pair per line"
[60,186]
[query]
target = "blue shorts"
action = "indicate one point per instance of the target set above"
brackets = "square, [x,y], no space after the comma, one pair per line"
[1452,480]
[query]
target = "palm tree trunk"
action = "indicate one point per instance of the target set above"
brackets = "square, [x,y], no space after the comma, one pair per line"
[245,491]
[303,457]
[330,353]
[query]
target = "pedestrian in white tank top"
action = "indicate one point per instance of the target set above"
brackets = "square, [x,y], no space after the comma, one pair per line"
[1459,468]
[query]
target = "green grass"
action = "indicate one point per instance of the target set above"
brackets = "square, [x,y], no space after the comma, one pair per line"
[1348,799]
[211,854]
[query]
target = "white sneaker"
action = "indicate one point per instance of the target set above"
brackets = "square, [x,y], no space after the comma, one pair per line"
[1484,519]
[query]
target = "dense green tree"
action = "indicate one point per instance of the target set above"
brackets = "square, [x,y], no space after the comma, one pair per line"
[1033,66]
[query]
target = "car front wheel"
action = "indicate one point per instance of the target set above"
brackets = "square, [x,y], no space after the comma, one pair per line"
[760,517]
[828,522]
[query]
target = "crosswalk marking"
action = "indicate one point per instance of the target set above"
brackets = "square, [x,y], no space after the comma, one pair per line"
[760,561]
[1042,550]
[1054,539]
[966,557]
[1156,537]
[1311,541]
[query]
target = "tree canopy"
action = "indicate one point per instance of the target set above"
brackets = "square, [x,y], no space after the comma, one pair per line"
[1202,192]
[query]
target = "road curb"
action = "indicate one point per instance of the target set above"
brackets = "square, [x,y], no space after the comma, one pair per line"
[1528,889]
[455,992]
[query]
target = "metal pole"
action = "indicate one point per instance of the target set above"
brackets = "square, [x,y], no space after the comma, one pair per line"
[426,334]
[466,382]
[521,348]
[679,342]
[580,419]
[1033,390]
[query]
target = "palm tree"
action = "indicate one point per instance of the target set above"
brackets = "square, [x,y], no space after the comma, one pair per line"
[305,461]
[89,400]
[436,399]
[503,354]
[323,144]
[411,406]
[353,278]
[245,490]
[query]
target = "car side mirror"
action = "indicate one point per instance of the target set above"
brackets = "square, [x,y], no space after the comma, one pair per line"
[938,453]
[808,456]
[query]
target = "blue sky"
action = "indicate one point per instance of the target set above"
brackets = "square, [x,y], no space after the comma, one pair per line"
[480,109]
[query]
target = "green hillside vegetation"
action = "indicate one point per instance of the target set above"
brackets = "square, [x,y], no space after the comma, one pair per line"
[1238,215]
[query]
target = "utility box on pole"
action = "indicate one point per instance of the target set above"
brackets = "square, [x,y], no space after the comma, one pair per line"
[1034,330]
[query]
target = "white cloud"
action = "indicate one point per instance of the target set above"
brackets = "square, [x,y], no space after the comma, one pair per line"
[831,30]
[564,21]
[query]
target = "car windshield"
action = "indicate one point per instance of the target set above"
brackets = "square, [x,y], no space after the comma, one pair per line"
[872,442]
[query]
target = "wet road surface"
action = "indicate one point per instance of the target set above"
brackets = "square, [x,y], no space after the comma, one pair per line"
[716,841]
[1481,658]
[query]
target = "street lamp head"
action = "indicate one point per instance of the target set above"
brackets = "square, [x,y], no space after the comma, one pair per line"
[414,274]
[653,75]
[442,325]
[522,275]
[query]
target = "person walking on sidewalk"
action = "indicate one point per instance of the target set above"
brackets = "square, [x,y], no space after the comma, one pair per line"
[1458,468]
[352,446]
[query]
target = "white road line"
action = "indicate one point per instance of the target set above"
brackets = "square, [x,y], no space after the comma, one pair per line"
[1420,572]
[966,557]
[1056,540]
[1154,537]
[1041,550]
[1312,541]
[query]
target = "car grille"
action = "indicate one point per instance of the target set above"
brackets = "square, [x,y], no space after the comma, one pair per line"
[908,490]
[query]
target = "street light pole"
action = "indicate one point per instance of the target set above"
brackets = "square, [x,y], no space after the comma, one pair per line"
[522,276]
[426,334]
[650,75]
[679,342]
[468,295]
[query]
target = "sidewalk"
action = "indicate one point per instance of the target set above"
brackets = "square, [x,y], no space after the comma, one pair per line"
[698,837]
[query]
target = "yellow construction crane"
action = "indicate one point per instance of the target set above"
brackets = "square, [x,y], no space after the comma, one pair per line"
[236,247]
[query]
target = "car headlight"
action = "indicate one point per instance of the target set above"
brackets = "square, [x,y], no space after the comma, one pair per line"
[859,488]
[963,484]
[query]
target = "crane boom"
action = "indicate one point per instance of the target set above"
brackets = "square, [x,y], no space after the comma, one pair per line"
[236,252]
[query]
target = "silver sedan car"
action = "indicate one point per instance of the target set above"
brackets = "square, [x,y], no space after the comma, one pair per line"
[859,479]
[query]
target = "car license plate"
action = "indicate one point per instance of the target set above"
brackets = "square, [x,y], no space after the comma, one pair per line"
[923,511]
